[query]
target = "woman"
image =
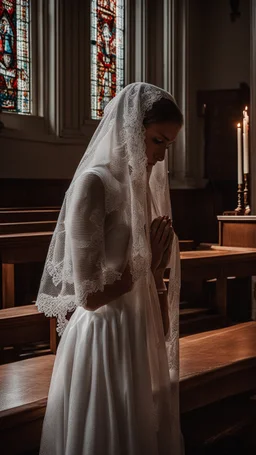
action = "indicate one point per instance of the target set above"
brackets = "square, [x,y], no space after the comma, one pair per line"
[112,392]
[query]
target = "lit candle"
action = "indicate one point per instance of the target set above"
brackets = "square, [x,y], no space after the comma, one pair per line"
[246,141]
[239,155]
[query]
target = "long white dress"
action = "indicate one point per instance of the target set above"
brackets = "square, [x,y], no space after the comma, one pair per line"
[110,391]
[114,388]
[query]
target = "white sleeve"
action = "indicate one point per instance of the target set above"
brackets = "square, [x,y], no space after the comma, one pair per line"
[85,229]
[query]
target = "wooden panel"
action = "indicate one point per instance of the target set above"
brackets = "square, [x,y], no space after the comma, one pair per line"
[17,228]
[186,245]
[218,263]
[8,297]
[212,387]
[239,234]
[21,325]
[217,422]
[22,248]
[25,436]
[54,337]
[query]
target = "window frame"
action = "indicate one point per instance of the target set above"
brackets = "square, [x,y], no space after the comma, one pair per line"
[43,123]
[13,121]
[61,100]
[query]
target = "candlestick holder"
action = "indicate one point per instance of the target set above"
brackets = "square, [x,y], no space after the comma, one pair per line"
[239,210]
[247,209]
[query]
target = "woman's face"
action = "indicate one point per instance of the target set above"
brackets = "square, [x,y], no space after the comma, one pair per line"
[158,137]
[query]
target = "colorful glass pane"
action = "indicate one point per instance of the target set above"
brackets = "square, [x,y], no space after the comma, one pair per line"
[14,56]
[107,53]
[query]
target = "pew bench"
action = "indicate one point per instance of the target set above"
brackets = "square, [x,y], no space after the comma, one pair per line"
[219,367]
[217,364]
[20,326]
[28,226]
[214,366]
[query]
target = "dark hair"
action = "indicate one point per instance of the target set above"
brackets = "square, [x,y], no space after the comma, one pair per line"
[164,110]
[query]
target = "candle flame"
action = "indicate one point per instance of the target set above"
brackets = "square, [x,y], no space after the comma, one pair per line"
[239,125]
[246,108]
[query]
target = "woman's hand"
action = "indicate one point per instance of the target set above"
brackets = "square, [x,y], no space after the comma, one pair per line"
[161,234]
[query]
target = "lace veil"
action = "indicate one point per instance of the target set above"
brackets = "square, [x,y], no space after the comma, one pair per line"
[110,181]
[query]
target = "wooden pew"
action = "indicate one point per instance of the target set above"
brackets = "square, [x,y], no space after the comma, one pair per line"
[218,379]
[24,248]
[186,245]
[220,263]
[214,366]
[22,325]
[20,249]
[217,364]
[23,388]
[21,228]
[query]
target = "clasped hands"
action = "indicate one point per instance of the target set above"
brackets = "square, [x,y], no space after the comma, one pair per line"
[161,238]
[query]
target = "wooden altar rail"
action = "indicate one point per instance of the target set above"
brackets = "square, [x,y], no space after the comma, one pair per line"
[213,366]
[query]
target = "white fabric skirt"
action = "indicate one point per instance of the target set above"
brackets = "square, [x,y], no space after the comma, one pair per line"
[110,391]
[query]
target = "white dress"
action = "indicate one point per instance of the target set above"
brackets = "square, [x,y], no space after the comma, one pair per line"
[110,391]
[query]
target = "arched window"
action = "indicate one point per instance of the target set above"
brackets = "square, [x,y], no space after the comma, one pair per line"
[107,53]
[15,56]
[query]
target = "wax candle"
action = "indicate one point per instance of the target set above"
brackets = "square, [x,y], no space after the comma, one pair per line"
[239,155]
[246,141]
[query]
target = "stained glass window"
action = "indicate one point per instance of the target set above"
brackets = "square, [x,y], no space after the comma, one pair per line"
[107,52]
[14,56]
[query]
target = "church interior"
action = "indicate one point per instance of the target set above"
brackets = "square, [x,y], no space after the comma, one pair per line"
[60,63]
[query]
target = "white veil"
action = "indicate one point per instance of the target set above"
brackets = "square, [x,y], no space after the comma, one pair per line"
[117,150]
[111,181]
[76,263]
